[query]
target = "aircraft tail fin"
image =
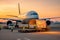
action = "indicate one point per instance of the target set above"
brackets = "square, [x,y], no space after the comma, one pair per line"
[19,8]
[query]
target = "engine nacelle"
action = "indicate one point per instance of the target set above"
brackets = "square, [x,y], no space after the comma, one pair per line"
[48,22]
[9,22]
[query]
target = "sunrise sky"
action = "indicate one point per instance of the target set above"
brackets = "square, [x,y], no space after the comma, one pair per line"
[45,8]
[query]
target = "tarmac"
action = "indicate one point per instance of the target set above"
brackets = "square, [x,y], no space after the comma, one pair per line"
[53,34]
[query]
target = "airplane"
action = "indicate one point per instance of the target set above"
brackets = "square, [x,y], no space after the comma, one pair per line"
[30,15]
[26,18]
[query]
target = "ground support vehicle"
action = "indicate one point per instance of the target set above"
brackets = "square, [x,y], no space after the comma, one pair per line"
[35,25]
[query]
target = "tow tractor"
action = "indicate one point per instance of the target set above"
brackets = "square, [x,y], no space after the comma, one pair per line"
[35,25]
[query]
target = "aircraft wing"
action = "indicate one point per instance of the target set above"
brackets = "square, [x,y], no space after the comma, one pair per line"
[12,16]
[10,19]
[50,18]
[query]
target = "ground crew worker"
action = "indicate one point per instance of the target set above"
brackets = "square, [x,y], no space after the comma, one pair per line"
[0,26]
[12,27]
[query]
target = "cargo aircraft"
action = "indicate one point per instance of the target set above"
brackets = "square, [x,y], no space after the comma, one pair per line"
[26,18]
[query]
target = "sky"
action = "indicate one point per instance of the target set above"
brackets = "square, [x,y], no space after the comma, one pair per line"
[44,8]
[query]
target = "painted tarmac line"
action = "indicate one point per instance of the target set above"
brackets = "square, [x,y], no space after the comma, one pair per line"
[24,38]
